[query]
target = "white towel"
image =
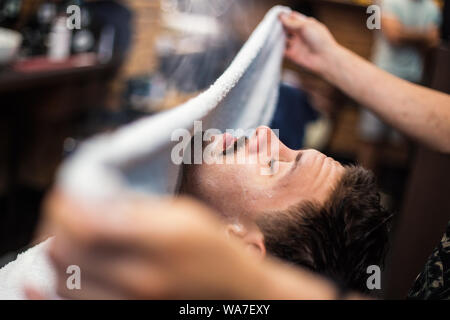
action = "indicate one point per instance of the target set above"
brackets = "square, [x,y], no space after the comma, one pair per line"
[31,268]
[138,156]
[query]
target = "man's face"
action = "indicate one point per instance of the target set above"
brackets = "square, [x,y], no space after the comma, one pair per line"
[267,180]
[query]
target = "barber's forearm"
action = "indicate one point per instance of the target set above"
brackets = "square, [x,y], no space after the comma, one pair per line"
[421,113]
[288,283]
[276,281]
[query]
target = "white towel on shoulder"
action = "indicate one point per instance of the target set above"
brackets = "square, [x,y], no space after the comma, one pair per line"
[244,97]
[31,268]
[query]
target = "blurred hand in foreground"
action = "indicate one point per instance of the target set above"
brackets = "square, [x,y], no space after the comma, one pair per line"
[146,249]
[163,249]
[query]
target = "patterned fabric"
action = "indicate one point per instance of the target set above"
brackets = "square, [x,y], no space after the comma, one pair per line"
[434,281]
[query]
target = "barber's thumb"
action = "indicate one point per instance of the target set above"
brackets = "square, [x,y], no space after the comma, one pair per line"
[293,20]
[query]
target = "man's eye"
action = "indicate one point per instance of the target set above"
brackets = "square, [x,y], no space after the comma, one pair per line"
[271,164]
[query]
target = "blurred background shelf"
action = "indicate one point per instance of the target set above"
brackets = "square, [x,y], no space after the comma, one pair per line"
[39,111]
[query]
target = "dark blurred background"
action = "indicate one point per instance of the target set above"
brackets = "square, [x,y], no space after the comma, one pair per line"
[136,58]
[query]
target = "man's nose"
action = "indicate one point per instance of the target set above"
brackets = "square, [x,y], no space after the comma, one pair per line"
[261,140]
[267,138]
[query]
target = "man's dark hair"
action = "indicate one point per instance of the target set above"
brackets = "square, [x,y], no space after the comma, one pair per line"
[339,239]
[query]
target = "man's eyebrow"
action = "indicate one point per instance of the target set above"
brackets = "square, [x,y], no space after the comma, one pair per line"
[296,161]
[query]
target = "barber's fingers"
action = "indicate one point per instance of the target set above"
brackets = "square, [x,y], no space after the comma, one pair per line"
[111,276]
[295,25]
[137,279]
[90,289]
[90,286]
[121,220]
[294,49]
[64,215]
[290,43]
[294,21]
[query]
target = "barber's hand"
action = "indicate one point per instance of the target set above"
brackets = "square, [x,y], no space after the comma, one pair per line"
[309,42]
[146,249]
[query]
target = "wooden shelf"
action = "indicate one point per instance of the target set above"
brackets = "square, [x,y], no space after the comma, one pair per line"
[12,81]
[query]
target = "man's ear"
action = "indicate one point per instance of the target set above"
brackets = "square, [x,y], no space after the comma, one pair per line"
[251,236]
